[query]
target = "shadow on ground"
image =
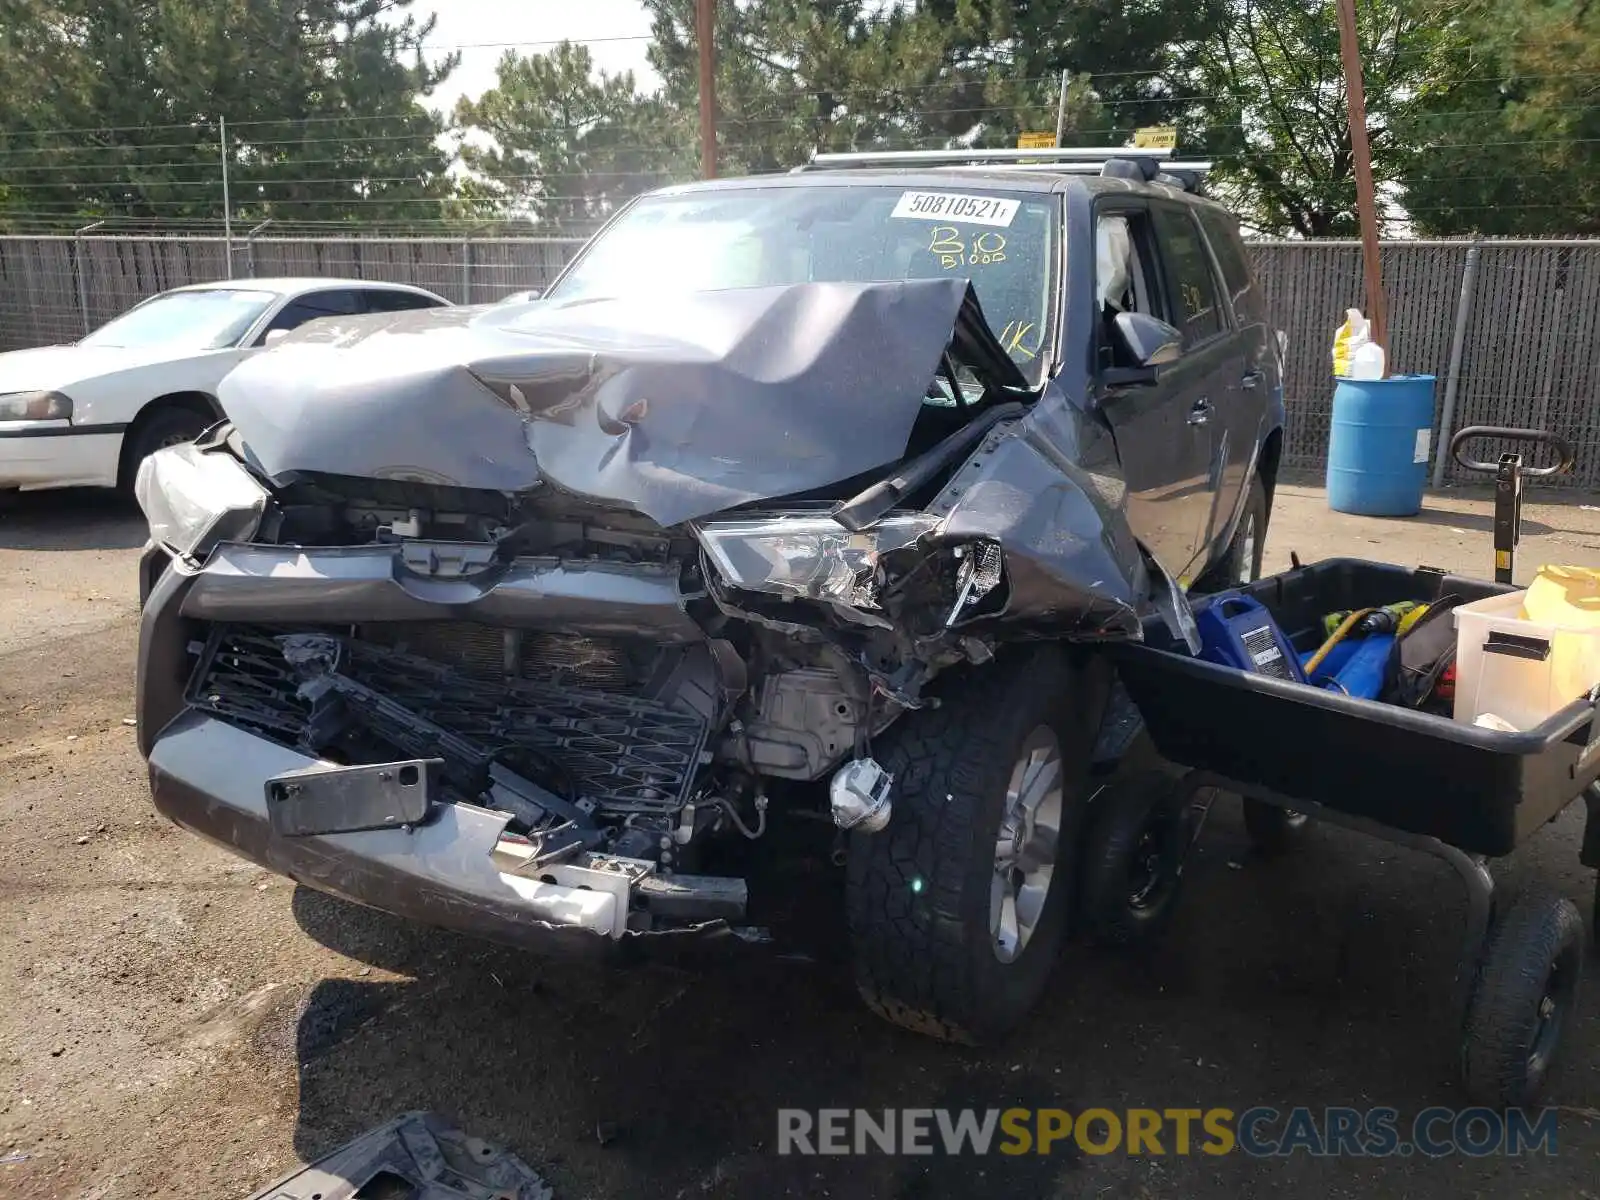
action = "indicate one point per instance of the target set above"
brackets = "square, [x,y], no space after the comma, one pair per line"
[1320,979]
[70,519]
[1476,522]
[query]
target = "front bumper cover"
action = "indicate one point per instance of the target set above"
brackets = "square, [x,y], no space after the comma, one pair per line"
[206,776]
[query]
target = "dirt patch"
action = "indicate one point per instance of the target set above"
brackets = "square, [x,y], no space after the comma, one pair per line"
[171,1017]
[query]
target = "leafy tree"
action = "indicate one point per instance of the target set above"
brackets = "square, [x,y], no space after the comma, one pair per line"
[320,98]
[557,141]
[1511,149]
[1005,59]
[794,76]
[1268,104]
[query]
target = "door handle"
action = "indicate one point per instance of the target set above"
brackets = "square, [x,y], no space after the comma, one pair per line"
[1200,413]
[1251,379]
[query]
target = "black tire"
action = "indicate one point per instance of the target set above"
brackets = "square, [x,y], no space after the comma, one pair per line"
[162,428]
[1133,859]
[1522,1000]
[1594,914]
[918,893]
[1241,562]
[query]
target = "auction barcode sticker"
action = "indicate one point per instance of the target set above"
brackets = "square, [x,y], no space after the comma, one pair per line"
[954,206]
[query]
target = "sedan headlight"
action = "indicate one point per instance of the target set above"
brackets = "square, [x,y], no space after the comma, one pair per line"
[35,406]
[811,557]
[194,499]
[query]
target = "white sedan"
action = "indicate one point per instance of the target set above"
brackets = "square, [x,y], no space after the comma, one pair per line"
[86,414]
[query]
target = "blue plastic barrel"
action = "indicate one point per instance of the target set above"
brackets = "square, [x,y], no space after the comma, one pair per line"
[1379,446]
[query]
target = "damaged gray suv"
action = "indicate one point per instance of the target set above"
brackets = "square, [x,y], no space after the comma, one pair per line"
[809,492]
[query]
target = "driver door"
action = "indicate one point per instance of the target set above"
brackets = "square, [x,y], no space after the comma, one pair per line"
[1161,429]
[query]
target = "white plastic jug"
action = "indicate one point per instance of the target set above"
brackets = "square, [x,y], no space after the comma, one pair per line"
[1366,361]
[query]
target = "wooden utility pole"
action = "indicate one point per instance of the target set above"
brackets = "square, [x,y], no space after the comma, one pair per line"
[1366,195]
[704,26]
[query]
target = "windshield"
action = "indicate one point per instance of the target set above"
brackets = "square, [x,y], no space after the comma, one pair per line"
[205,320]
[770,236]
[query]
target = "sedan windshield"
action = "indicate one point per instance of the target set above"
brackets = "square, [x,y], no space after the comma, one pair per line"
[770,236]
[205,320]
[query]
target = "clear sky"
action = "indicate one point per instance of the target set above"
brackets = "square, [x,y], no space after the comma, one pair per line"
[469,23]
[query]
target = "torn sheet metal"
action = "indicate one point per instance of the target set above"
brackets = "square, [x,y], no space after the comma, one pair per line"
[677,409]
[1069,553]
[417,1156]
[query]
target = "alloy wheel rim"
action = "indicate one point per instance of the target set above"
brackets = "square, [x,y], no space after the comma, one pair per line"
[1026,844]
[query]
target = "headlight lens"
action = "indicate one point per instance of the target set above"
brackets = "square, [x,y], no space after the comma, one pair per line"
[35,406]
[811,557]
[194,499]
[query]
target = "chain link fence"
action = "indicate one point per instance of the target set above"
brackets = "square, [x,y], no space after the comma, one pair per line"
[56,288]
[1528,311]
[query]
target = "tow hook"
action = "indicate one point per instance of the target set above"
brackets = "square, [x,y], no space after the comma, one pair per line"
[859,796]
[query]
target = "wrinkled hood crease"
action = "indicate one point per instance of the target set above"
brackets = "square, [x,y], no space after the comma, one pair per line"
[678,409]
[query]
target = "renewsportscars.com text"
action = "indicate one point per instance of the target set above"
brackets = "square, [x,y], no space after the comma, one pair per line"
[1260,1131]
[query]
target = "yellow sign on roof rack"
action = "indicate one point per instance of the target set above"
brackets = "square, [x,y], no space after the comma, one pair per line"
[1156,137]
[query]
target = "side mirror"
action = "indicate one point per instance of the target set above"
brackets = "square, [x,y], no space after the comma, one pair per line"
[274,337]
[1149,341]
[522,297]
[1145,340]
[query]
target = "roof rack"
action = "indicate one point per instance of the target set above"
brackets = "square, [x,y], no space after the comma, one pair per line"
[1147,165]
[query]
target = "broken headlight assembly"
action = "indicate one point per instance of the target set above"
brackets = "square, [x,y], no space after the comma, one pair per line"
[809,557]
[195,499]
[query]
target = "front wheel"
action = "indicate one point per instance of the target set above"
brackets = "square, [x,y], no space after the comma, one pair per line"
[957,909]
[161,429]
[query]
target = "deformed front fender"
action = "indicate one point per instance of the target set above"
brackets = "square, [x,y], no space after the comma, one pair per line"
[1071,560]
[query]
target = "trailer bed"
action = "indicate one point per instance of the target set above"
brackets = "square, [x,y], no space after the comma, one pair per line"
[1479,790]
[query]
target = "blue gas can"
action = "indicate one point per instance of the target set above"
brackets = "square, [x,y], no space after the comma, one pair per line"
[1362,671]
[1236,630]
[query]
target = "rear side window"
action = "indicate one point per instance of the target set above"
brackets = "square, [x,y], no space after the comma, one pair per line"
[1198,309]
[1223,234]
[397,301]
[340,302]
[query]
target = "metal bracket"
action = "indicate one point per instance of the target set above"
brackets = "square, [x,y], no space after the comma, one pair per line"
[1508,477]
[329,799]
[1589,853]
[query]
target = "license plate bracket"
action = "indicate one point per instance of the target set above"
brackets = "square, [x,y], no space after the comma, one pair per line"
[334,799]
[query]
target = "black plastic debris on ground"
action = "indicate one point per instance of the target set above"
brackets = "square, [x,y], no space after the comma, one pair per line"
[417,1156]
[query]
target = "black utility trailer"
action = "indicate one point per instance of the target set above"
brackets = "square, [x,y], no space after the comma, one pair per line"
[1460,793]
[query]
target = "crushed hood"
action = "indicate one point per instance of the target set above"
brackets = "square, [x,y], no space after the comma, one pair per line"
[678,408]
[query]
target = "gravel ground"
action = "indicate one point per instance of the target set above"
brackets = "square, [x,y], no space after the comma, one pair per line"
[172,1018]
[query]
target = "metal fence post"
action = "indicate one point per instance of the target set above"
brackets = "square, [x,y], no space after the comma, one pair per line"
[1452,383]
[83,286]
[466,270]
[227,203]
[250,247]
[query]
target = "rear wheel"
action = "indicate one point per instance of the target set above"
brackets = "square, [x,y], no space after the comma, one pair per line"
[958,908]
[1241,562]
[1133,859]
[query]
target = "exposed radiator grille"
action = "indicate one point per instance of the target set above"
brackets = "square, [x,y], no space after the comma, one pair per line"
[626,753]
[486,652]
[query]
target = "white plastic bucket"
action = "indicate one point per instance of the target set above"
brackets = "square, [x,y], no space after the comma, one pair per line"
[1521,671]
